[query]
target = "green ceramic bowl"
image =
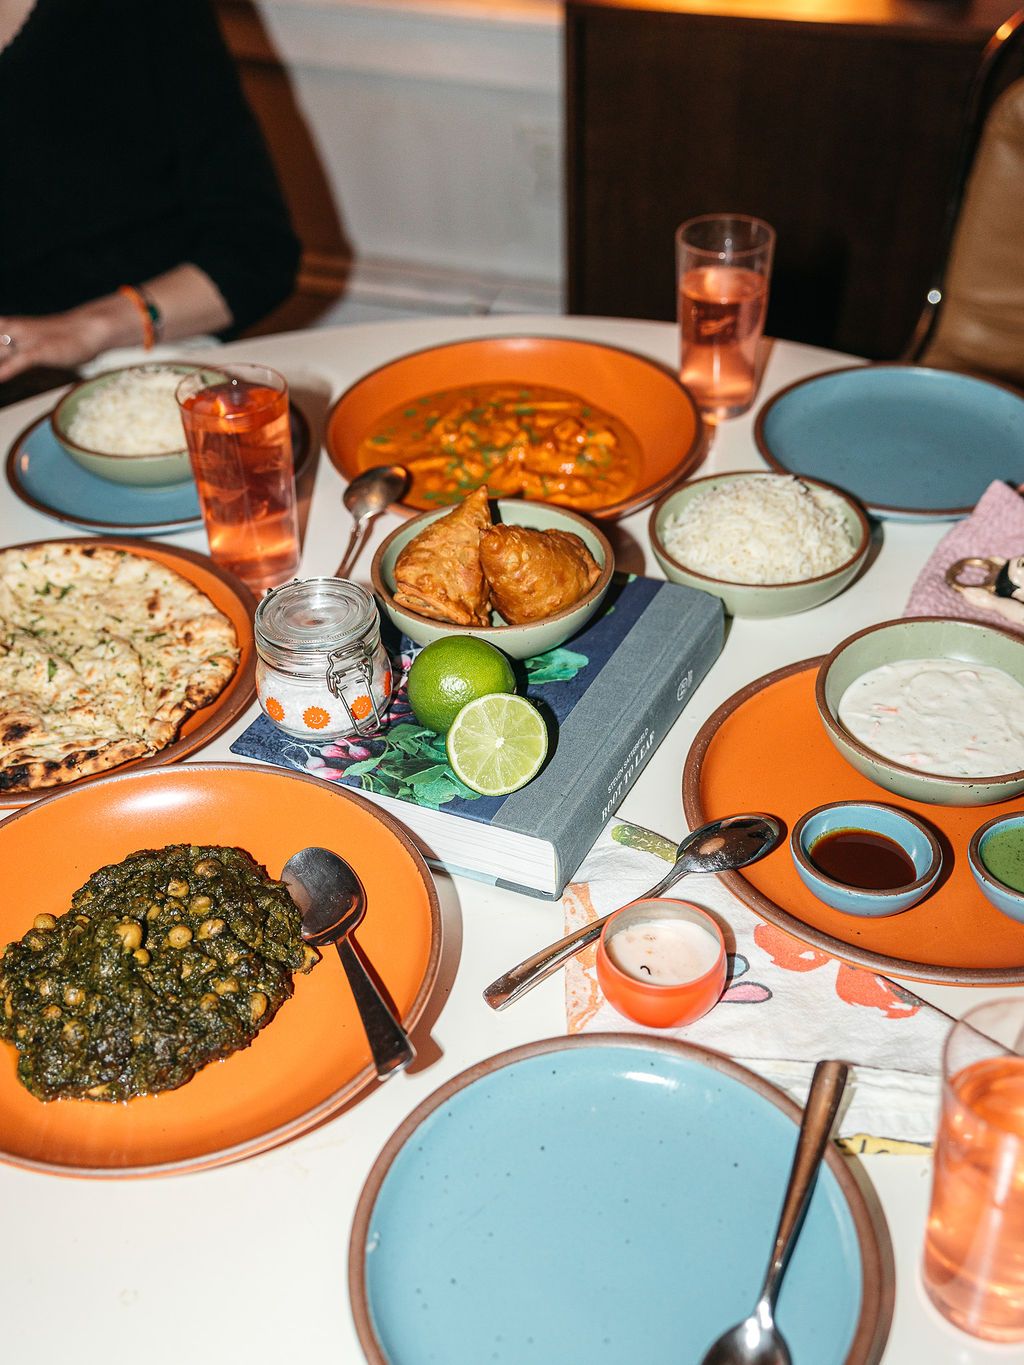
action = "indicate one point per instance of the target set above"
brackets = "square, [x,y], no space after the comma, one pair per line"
[519,642]
[759,599]
[923,637]
[141,470]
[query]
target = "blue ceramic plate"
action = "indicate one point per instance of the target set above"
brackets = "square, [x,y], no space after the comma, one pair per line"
[603,1199]
[44,475]
[910,443]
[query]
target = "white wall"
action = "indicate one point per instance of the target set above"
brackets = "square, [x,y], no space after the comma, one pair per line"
[420,144]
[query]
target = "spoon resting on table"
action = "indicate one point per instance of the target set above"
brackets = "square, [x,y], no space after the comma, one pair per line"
[756,1340]
[331,900]
[721,846]
[367,496]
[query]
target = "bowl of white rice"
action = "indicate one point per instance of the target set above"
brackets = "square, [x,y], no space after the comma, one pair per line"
[766,544]
[124,424]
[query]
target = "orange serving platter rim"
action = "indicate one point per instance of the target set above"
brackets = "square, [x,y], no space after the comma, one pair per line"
[199,728]
[432,361]
[766,748]
[313,1057]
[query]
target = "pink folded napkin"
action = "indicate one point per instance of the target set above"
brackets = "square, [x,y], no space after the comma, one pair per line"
[996,528]
[786,1005]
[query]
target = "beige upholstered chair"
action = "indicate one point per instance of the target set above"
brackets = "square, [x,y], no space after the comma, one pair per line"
[980,327]
[973,318]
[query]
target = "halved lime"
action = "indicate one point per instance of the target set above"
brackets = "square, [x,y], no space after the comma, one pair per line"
[452,671]
[497,743]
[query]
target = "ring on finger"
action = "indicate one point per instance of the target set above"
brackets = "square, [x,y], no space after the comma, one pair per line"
[7,341]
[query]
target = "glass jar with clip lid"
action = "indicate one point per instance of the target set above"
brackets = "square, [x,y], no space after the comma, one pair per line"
[322,672]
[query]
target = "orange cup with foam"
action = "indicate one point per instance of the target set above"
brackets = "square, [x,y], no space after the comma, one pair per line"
[661,962]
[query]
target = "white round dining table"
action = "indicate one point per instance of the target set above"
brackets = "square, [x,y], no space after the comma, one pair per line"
[248,1262]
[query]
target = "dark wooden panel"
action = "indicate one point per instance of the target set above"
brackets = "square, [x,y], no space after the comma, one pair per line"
[844,138]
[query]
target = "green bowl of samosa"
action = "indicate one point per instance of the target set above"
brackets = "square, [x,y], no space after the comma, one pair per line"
[526,576]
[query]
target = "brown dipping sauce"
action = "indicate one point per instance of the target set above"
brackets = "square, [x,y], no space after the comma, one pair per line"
[861,858]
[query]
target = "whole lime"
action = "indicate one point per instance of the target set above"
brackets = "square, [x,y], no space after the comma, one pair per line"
[451,672]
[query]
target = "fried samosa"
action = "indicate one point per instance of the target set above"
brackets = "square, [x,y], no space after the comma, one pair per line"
[438,574]
[534,574]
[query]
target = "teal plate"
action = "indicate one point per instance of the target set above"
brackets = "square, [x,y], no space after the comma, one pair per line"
[43,475]
[605,1199]
[910,443]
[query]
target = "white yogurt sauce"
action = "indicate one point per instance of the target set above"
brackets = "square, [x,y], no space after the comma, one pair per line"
[940,716]
[668,952]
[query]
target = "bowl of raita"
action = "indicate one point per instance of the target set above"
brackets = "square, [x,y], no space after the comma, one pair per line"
[930,707]
[766,544]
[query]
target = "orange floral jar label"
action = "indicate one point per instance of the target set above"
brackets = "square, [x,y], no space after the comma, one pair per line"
[316,717]
[273,708]
[362,707]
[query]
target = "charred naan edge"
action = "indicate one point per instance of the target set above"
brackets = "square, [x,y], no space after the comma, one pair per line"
[103,653]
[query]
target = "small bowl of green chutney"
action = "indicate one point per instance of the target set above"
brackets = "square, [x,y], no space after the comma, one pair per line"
[996,856]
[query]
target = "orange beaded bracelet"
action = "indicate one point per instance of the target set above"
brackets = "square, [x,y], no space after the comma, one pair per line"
[148,312]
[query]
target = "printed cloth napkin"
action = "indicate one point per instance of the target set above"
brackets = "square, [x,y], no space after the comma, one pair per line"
[786,1004]
[996,528]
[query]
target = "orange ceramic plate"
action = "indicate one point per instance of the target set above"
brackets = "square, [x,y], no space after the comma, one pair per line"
[230,595]
[644,395]
[766,749]
[312,1057]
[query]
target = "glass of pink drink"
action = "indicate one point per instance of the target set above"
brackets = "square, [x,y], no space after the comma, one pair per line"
[723,269]
[974,1244]
[239,441]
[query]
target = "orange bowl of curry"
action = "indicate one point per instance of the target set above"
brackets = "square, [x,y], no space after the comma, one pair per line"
[594,428]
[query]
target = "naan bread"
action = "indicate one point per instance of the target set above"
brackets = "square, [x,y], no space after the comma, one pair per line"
[102,655]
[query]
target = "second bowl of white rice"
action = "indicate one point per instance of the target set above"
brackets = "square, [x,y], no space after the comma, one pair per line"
[124,424]
[767,544]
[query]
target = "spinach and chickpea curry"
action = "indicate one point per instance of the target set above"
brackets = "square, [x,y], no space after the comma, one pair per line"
[166,961]
[539,443]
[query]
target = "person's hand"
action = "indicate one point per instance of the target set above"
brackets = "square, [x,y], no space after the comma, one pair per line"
[58,340]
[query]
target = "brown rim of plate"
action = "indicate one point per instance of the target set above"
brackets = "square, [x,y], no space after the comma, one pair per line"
[876,894]
[774,913]
[386,594]
[836,728]
[296,1127]
[863,544]
[688,461]
[236,697]
[882,508]
[878,1276]
[302,440]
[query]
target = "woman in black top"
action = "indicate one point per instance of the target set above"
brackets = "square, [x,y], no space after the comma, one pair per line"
[128,157]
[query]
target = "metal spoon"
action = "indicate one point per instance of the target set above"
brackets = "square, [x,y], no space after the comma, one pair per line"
[756,1340]
[370,493]
[332,901]
[720,846]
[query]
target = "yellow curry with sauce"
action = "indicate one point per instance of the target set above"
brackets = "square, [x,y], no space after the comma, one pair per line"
[543,444]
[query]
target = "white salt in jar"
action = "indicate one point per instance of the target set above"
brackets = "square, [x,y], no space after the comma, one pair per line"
[322,672]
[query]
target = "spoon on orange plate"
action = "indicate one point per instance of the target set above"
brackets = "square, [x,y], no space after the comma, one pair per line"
[331,900]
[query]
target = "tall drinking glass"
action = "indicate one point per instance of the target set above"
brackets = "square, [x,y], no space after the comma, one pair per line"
[974,1244]
[723,270]
[239,442]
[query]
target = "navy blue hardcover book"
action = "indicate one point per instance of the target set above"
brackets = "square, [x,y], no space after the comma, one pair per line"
[610,695]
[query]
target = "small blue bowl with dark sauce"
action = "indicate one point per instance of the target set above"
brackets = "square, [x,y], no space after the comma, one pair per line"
[865,858]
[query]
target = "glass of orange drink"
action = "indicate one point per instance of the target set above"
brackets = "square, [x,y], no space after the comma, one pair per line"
[239,441]
[974,1244]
